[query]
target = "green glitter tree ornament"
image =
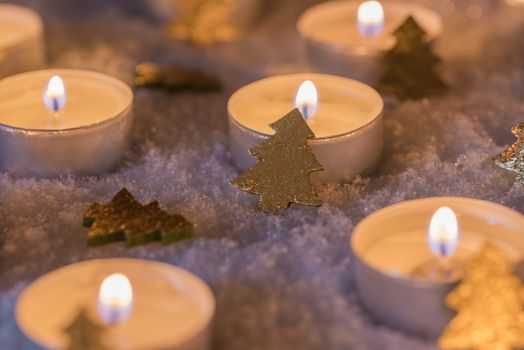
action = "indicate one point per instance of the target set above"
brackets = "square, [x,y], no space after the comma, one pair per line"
[85,334]
[126,219]
[174,78]
[285,162]
[410,66]
[513,157]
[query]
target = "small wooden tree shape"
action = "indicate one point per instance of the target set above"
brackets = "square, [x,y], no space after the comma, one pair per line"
[489,305]
[410,66]
[205,22]
[284,164]
[126,219]
[174,78]
[513,158]
[85,334]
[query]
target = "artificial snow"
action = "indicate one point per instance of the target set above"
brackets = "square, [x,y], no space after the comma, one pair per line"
[281,282]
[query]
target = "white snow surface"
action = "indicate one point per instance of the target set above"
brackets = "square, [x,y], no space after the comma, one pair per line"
[281,282]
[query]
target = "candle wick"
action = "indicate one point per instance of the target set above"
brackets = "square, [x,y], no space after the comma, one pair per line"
[113,317]
[443,249]
[56,105]
[305,111]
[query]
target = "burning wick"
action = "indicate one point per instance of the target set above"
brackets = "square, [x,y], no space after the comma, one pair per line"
[443,237]
[115,299]
[443,234]
[55,95]
[306,100]
[370,18]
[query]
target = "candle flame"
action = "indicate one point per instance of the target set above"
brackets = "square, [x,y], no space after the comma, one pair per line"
[306,99]
[443,233]
[55,94]
[115,298]
[370,18]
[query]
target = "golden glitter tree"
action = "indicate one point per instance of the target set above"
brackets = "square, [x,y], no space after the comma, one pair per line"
[205,22]
[284,164]
[410,66]
[489,305]
[513,158]
[85,334]
[126,219]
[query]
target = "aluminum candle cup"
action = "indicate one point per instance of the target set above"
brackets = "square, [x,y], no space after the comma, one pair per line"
[348,124]
[87,135]
[336,42]
[391,243]
[171,308]
[21,40]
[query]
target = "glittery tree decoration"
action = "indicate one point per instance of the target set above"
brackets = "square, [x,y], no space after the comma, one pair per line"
[513,158]
[489,302]
[285,162]
[126,219]
[174,77]
[205,22]
[410,66]
[85,334]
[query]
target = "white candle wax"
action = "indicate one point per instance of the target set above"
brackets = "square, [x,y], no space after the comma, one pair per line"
[336,45]
[87,137]
[391,244]
[515,2]
[348,125]
[172,309]
[21,40]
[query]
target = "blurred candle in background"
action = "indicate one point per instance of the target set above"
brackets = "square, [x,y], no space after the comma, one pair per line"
[346,37]
[21,40]
[145,305]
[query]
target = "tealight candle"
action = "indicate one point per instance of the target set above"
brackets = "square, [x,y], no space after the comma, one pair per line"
[55,122]
[404,273]
[347,37]
[144,305]
[344,114]
[21,40]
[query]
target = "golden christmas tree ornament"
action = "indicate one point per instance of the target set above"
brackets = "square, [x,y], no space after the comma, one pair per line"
[126,219]
[174,78]
[410,66]
[205,22]
[489,305]
[85,334]
[513,158]
[285,162]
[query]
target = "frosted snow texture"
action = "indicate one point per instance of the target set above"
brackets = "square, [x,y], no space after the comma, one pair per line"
[281,282]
